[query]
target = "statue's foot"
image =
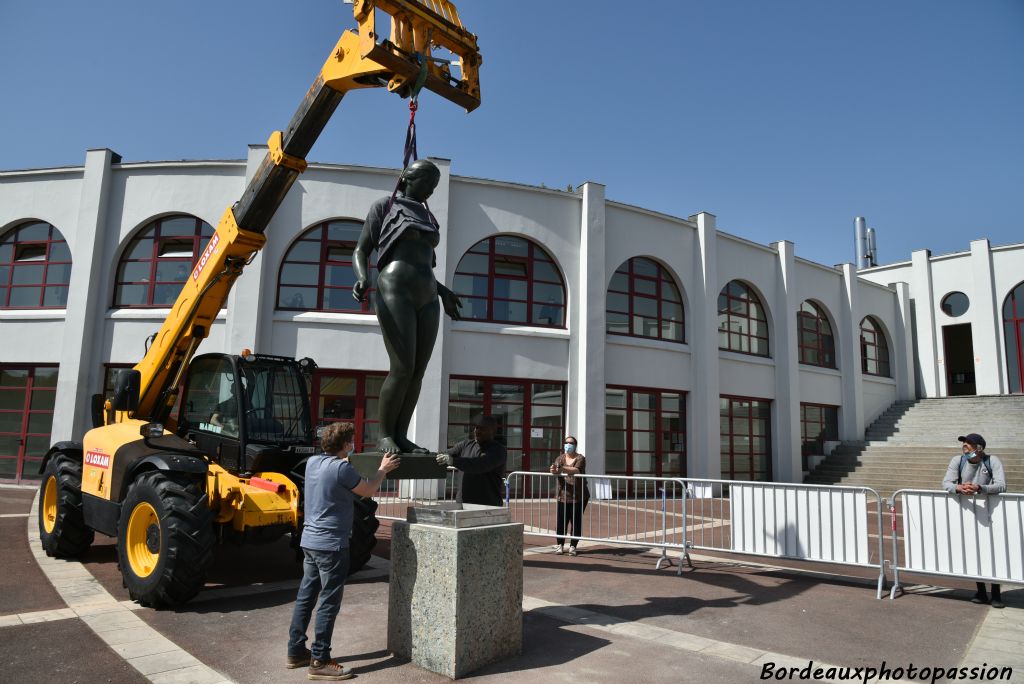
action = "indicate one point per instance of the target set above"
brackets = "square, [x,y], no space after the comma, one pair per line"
[388,445]
[409,447]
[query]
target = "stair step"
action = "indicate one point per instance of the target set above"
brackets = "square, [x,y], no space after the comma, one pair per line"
[910,444]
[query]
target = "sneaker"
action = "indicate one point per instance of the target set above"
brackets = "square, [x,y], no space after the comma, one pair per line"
[572,550]
[559,550]
[299,660]
[979,598]
[996,603]
[328,669]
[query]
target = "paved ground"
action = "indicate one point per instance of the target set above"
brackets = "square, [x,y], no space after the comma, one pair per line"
[604,616]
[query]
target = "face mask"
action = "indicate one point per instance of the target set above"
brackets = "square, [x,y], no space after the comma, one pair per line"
[570,448]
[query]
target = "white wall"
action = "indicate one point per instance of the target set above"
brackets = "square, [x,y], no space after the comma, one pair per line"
[986,275]
[567,225]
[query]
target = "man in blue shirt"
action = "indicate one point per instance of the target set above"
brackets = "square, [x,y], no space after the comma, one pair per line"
[331,487]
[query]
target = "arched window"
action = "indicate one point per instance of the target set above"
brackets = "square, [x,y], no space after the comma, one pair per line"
[644,301]
[159,259]
[817,345]
[507,279]
[874,350]
[35,268]
[317,275]
[1013,329]
[742,322]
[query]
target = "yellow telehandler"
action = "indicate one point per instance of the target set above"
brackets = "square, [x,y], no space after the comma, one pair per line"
[194,449]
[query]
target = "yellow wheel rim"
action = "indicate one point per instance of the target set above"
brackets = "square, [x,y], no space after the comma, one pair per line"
[50,504]
[143,539]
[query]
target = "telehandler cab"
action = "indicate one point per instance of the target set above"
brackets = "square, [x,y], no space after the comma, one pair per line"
[170,471]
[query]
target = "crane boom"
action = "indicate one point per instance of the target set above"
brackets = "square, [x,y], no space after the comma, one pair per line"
[358,60]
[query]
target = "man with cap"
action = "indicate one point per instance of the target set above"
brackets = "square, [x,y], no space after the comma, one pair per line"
[482,462]
[971,472]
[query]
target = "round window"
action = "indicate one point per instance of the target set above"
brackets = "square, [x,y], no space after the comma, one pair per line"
[955,304]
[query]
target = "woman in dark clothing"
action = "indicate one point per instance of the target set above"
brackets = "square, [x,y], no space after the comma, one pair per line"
[572,494]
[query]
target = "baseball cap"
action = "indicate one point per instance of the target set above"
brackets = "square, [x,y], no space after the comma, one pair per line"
[973,438]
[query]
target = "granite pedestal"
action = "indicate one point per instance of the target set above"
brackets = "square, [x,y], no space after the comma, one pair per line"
[455,601]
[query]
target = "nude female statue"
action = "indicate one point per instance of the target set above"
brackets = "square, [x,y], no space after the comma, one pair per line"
[404,233]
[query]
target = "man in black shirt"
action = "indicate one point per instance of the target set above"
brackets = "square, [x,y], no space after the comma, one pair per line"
[482,462]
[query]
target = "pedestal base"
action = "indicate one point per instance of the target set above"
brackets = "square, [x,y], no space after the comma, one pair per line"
[455,601]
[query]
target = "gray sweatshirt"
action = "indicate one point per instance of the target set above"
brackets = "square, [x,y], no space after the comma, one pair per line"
[991,482]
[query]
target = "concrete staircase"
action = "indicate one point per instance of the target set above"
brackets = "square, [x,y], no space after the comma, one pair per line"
[910,444]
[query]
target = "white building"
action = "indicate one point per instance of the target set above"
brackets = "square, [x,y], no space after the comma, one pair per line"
[666,346]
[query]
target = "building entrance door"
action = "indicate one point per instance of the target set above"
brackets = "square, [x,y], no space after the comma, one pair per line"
[958,346]
[27,395]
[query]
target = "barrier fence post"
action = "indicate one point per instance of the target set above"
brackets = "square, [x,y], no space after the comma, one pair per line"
[664,531]
[685,556]
[895,558]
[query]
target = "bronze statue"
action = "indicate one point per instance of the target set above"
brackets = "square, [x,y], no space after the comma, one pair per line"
[404,233]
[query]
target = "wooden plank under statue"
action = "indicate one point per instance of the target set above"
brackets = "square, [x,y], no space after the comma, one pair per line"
[412,467]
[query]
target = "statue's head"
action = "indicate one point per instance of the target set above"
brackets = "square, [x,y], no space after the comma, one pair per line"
[419,179]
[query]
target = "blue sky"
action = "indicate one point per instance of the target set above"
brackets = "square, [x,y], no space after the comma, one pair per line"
[784,118]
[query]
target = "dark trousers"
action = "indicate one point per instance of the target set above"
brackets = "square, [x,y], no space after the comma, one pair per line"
[568,514]
[323,576]
[995,591]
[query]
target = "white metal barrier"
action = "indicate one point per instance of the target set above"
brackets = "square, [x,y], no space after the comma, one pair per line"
[396,496]
[816,523]
[636,511]
[957,535]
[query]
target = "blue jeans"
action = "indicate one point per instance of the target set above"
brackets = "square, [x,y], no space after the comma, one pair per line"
[323,575]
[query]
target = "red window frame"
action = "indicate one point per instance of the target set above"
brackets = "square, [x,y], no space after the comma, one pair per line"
[55,275]
[534,270]
[26,466]
[1013,331]
[136,253]
[814,336]
[731,432]
[364,413]
[332,252]
[874,350]
[734,305]
[535,454]
[643,282]
[658,415]
[819,423]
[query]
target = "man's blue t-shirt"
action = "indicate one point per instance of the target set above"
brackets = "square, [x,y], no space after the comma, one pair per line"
[328,503]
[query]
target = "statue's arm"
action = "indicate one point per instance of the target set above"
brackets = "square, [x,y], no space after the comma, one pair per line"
[450,301]
[361,255]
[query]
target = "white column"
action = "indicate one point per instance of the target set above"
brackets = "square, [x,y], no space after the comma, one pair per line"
[986,331]
[587,327]
[430,421]
[704,456]
[248,302]
[903,344]
[924,318]
[851,426]
[80,362]
[786,459]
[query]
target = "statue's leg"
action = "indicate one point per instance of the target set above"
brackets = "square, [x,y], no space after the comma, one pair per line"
[397,317]
[428,318]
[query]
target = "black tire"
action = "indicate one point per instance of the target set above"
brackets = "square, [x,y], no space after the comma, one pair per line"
[68,535]
[364,530]
[180,537]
